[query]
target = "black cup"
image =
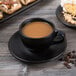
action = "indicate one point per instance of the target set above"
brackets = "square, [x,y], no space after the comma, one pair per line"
[39,43]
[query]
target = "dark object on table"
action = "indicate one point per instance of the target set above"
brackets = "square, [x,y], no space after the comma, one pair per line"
[25,54]
[69,58]
[67,65]
[40,42]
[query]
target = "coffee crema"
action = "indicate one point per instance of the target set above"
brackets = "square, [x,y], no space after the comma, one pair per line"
[37,29]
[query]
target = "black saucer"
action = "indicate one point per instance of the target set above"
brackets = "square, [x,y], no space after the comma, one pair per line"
[25,54]
[60,17]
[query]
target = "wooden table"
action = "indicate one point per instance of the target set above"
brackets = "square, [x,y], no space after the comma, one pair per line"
[9,66]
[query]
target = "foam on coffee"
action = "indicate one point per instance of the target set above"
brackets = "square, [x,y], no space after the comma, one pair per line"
[37,29]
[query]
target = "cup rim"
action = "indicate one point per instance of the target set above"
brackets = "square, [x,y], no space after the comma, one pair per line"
[25,22]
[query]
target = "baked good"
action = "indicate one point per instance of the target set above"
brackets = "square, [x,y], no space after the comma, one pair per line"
[26,2]
[10,6]
[1,14]
[69,10]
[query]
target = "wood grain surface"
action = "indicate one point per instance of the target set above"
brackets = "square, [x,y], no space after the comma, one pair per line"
[9,66]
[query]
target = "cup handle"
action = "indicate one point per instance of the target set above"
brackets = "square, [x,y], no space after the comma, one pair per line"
[60,36]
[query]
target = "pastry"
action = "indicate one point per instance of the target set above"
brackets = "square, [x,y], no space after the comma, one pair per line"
[29,1]
[10,6]
[1,14]
[69,10]
[26,2]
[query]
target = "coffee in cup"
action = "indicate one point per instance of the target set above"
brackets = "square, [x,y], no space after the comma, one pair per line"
[37,29]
